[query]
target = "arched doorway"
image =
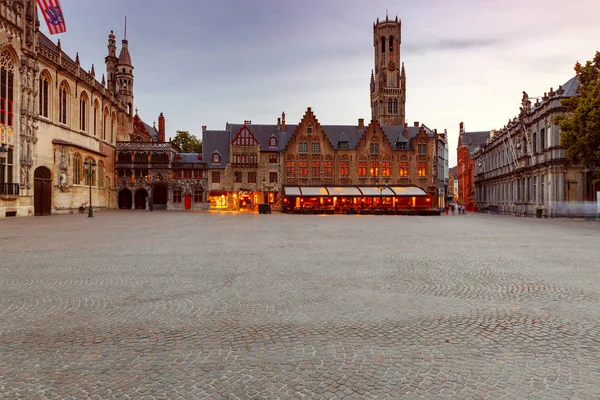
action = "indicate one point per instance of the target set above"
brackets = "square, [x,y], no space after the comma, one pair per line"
[42,191]
[159,197]
[140,199]
[125,200]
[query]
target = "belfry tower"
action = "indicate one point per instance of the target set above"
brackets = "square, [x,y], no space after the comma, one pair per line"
[388,82]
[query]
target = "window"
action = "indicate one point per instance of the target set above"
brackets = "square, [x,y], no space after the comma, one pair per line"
[104,118]
[422,149]
[395,106]
[383,45]
[245,159]
[100,174]
[344,169]
[90,173]
[401,145]
[95,117]
[6,168]
[315,169]
[176,196]
[272,141]
[385,169]
[251,177]
[374,169]
[44,97]
[422,171]
[290,169]
[237,177]
[343,145]
[63,103]
[316,148]
[272,177]
[391,44]
[77,169]
[403,169]
[82,112]
[362,169]
[6,88]
[374,148]
[198,196]
[216,177]
[273,159]
[303,169]
[390,106]
[309,130]
[542,139]
[302,147]
[197,174]
[112,126]
[328,169]
[533,144]
[245,138]
[216,158]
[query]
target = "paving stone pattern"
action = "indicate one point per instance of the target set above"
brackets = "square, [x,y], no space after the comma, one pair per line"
[175,305]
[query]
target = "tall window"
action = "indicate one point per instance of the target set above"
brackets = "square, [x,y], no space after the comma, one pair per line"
[362,169]
[6,88]
[272,141]
[198,196]
[328,169]
[100,174]
[542,139]
[251,177]
[176,196]
[385,169]
[316,147]
[77,169]
[390,106]
[237,177]
[403,169]
[6,168]
[315,169]
[395,111]
[113,120]
[104,118]
[63,103]
[82,112]
[303,147]
[95,118]
[216,158]
[216,177]
[374,148]
[303,169]
[290,169]
[422,149]
[374,169]
[89,175]
[44,97]
[272,177]
[344,169]
[422,171]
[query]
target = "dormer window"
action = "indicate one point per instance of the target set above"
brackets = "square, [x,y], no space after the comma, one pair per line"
[343,145]
[216,158]
[401,145]
[309,130]
[272,141]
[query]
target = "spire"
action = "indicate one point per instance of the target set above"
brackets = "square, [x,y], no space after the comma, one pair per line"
[103,80]
[92,71]
[77,58]
[403,73]
[125,34]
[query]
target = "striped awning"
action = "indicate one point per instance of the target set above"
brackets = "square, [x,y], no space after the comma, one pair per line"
[372,191]
[343,191]
[292,191]
[314,191]
[412,191]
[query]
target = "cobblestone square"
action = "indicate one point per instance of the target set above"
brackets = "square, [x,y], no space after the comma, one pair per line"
[176,305]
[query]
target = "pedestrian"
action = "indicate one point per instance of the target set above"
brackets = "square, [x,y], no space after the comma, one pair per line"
[447,208]
[452,208]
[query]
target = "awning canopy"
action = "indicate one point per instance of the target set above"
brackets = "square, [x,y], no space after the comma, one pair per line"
[313,191]
[217,193]
[412,191]
[343,191]
[292,191]
[372,191]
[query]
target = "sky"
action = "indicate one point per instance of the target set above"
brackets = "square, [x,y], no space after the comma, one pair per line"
[209,62]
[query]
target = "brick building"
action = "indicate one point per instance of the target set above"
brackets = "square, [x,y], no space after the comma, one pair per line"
[467,143]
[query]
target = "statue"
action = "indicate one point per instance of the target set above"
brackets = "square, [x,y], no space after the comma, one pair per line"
[62,181]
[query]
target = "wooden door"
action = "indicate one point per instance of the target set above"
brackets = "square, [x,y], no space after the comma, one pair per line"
[42,191]
[188,202]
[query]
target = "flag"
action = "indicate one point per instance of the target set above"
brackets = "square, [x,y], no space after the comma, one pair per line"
[53,15]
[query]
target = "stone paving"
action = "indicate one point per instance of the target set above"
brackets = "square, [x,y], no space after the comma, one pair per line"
[176,305]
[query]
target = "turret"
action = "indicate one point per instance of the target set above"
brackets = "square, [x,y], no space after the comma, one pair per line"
[124,77]
[111,62]
[161,128]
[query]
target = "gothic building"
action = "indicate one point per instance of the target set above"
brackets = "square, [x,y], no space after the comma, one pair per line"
[57,120]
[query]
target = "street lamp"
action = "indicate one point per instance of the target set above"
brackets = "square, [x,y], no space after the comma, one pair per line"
[380,188]
[90,164]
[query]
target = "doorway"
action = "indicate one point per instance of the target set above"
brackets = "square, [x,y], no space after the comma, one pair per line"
[140,199]
[42,191]
[159,197]
[125,200]
[188,202]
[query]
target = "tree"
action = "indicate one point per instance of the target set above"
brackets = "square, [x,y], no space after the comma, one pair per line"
[187,142]
[580,126]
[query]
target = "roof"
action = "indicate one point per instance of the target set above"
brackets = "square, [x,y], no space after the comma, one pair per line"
[151,131]
[215,141]
[124,56]
[570,87]
[189,158]
[477,139]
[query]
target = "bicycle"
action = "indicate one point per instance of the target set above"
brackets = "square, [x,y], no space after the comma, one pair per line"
[83,207]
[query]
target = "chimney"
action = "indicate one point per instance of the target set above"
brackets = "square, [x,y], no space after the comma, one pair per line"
[405,133]
[278,123]
[161,128]
[203,128]
[416,124]
[283,122]
[361,124]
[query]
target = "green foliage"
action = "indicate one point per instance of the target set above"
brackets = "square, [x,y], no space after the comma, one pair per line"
[187,142]
[580,126]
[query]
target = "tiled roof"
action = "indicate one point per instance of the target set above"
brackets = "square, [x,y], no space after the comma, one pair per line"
[570,87]
[215,141]
[475,138]
[151,131]
[189,158]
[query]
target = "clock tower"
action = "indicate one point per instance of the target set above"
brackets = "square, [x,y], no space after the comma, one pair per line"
[388,81]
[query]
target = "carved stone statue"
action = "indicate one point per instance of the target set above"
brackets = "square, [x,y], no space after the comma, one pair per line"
[62,181]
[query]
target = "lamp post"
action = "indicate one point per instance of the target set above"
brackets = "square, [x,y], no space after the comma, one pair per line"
[380,188]
[90,164]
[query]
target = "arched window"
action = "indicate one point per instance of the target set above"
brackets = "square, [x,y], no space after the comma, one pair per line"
[63,103]
[390,106]
[83,112]
[272,141]
[90,173]
[104,118]
[391,44]
[395,106]
[100,174]
[95,117]
[44,95]
[216,158]
[383,45]
[77,169]
[112,126]
[6,88]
